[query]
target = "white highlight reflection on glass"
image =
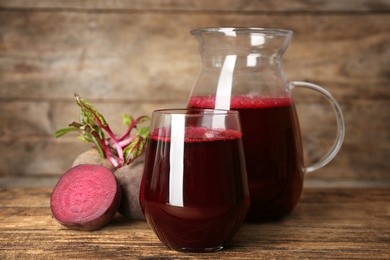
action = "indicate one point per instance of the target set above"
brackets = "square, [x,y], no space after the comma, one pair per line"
[251,59]
[176,157]
[225,83]
[257,40]
[230,32]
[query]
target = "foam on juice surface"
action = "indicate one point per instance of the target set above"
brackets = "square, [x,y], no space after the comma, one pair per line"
[241,102]
[197,134]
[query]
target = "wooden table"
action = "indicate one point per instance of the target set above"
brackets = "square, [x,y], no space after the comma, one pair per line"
[328,223]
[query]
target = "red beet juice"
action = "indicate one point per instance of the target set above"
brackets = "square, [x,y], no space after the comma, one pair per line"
[273,153]
[215,196]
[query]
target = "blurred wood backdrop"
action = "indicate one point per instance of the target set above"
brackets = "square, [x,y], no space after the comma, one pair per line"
[137,56]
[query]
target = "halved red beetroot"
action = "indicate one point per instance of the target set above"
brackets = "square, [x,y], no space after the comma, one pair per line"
[86,197]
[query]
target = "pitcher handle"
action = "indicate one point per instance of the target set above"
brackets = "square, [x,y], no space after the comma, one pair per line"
[339,119]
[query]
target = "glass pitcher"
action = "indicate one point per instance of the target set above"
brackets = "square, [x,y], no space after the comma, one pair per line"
[242,70]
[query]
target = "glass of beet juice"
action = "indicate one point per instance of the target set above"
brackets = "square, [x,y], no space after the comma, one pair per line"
[194,191]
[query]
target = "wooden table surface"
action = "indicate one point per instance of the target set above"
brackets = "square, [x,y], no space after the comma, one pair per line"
[351,223]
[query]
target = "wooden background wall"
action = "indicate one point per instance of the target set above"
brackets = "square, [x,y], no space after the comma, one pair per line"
[137,56]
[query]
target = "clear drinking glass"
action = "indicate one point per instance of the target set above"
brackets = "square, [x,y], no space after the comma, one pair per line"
[194,191]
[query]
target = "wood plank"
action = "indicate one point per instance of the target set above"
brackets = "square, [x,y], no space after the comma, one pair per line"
[28,198]
[38,157]
[37,181]
[338,223]
[117,56]
[28,145]
[22,118]
[311,181]
[358,162]
[53,157]
[204,5]
[317,119]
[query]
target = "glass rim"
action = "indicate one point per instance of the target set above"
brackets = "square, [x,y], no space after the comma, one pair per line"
[201,111]
[230,31]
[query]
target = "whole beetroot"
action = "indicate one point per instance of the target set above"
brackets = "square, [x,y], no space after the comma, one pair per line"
[130,177]
[92,156]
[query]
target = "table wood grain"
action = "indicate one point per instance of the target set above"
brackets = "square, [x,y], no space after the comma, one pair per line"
[328,223]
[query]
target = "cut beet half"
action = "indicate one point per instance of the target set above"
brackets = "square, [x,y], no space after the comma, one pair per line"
[86,197]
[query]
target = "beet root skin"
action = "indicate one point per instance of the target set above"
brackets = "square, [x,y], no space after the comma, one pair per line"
[86,197]
[129,178]
[92,156]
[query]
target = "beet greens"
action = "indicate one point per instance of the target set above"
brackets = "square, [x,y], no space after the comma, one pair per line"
[92,127]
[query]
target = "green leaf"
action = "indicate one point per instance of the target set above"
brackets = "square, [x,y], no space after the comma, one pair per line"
[127,120]
[63,131]
[143,132]
[89,114]
[84,138]
[134,149]
[142,119]
[98,146]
